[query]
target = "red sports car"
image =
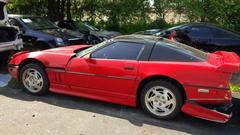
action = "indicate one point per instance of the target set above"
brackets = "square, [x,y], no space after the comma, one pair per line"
[162,76]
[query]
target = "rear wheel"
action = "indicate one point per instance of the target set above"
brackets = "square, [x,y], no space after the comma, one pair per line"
[34,79]
[161,99]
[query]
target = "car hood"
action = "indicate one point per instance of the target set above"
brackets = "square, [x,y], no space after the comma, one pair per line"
[52,58]
[63,33]
[3,11]
[106,34]
[66,50]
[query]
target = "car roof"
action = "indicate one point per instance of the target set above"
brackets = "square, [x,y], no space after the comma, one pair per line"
[202,24]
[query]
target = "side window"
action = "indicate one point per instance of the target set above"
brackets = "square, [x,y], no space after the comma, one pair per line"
[119,50]
[14,22]
[219,33]
[163,53]
[200,32]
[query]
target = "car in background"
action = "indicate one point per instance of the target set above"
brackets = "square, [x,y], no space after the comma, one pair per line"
[10,39]
[149,32]
[40,33]
[162,76]
[95,35]
[206,37]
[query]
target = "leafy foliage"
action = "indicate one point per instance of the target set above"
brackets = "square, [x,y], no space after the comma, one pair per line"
[133,15]
[234,88]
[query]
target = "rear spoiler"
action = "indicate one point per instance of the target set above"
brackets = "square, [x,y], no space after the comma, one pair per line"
[230,62]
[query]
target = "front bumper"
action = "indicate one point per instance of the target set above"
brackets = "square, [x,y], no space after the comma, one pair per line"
[13,70]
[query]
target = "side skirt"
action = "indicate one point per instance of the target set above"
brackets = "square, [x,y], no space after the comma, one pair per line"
[64,89]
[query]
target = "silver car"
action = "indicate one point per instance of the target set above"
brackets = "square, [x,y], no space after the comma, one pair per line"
[10,38]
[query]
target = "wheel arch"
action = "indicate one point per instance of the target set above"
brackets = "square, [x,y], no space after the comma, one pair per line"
[28,61]
[159,77]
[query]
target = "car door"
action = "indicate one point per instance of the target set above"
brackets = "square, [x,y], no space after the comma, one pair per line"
[109,71]
[201,37]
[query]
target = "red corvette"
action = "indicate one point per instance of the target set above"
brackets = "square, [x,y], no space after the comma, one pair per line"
[163,77]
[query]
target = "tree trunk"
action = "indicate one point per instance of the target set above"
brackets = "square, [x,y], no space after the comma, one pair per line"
[62,9]
[53,13]
[69,16]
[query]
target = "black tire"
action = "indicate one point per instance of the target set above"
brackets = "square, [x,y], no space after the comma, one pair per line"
[45,87]
[170,86]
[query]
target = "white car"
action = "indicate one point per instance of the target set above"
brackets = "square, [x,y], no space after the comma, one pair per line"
[10,39]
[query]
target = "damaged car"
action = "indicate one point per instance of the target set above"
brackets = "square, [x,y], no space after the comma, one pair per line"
[39,33]
[10,39]
[161,76]
[94,35]
[207,37]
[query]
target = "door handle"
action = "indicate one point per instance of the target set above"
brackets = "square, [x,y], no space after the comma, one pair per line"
[129,68]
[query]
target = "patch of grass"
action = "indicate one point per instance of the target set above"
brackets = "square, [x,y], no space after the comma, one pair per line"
[235,88]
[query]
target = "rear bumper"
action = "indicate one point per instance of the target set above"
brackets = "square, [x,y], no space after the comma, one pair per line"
[221,114]
[209,103]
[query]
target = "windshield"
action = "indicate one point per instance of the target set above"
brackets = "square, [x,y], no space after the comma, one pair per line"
[186,49]
[38,23]
[86,26]
[91,49]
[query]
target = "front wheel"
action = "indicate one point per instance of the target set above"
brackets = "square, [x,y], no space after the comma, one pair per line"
[161,99]
[34,79]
